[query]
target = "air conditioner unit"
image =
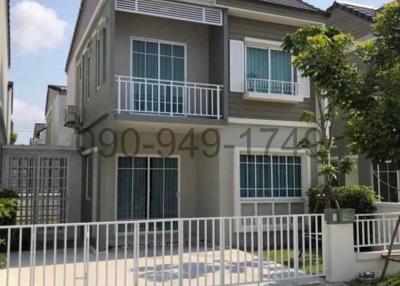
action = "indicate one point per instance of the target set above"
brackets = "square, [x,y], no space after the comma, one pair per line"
[71,117]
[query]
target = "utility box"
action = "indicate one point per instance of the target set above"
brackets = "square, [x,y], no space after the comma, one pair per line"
[339,216]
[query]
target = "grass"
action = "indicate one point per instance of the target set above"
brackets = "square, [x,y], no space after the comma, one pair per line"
[393,280]
[3,261]
[287,256]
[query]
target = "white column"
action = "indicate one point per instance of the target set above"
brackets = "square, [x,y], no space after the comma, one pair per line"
[339,255]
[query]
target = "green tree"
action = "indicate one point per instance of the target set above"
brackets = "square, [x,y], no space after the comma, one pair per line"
[321,53]
[374,122]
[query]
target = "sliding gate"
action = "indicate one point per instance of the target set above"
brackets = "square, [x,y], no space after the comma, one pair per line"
[193,251]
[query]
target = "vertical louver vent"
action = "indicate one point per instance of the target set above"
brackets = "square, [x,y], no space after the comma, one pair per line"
[172,10]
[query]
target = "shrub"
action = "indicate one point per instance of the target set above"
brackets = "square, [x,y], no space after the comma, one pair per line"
[8,212]
[8,206]
[360,198]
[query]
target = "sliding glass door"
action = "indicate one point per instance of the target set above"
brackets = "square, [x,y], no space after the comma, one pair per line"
[147,188]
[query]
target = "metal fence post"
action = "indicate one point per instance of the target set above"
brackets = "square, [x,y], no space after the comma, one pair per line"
[222,250]
[136,253]
[180,251]
[260,250]
[86,254]
[296,245]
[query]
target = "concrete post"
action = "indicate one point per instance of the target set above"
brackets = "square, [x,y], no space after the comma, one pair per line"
[339,252]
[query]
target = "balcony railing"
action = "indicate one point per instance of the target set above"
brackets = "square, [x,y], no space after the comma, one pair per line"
[272,87]
[171,98]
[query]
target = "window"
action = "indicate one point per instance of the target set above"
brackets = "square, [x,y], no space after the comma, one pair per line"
[270,176]
[158,60]
[269,71]
[104,55]
[156,64]
[386,184]
[87,78]
[98,59]
[147,187]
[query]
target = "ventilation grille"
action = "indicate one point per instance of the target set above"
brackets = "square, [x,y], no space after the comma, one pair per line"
[172,10]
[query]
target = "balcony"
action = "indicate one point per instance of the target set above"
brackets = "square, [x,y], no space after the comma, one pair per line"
[272,90]
[168,98]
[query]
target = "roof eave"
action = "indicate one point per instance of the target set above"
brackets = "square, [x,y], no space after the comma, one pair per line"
[350,11]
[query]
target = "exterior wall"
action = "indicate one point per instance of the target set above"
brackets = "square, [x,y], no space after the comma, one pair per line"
[101,100]
[349,23]
[57,134]
[195,36]
[240,28]
[5,120]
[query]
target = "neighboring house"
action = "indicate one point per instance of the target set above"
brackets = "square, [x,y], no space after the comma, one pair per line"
[205,82]
[56,104]
[53,132]
[384,178]
[39,134]
[6,88]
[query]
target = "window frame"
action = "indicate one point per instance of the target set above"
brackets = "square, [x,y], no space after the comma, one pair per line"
[158,42]
[104,54]
[305,177]
[269,96]
[98,65]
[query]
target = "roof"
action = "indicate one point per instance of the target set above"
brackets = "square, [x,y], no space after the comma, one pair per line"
[9,32]
[365,12]
[78,20]
[61,89]
[298,4]
[38,127]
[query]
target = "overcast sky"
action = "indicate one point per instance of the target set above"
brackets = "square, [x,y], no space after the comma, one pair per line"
[41,32]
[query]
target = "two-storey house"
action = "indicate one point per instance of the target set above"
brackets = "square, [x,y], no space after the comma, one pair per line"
[175,103]
[384,178]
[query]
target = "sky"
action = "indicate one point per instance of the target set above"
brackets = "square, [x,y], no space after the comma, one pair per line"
[41,33]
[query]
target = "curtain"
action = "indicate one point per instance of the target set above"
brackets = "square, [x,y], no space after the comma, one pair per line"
[281,71]
[257,63]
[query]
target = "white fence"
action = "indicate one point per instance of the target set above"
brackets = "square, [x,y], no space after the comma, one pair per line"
[374,232]
[166,97]
[195,251]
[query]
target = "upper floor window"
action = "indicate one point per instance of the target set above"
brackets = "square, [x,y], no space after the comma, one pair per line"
[158,60]
[269,71]
[262,71]
[98,62]
[104,55]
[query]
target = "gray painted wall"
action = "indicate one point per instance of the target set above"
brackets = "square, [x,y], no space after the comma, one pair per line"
[195,36]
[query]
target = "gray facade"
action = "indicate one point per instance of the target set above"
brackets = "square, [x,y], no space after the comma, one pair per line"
[208,186]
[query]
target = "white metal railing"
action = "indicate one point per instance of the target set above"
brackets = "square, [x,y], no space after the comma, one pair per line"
[374,231]
[272,87]
[193,251]
[165,97]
